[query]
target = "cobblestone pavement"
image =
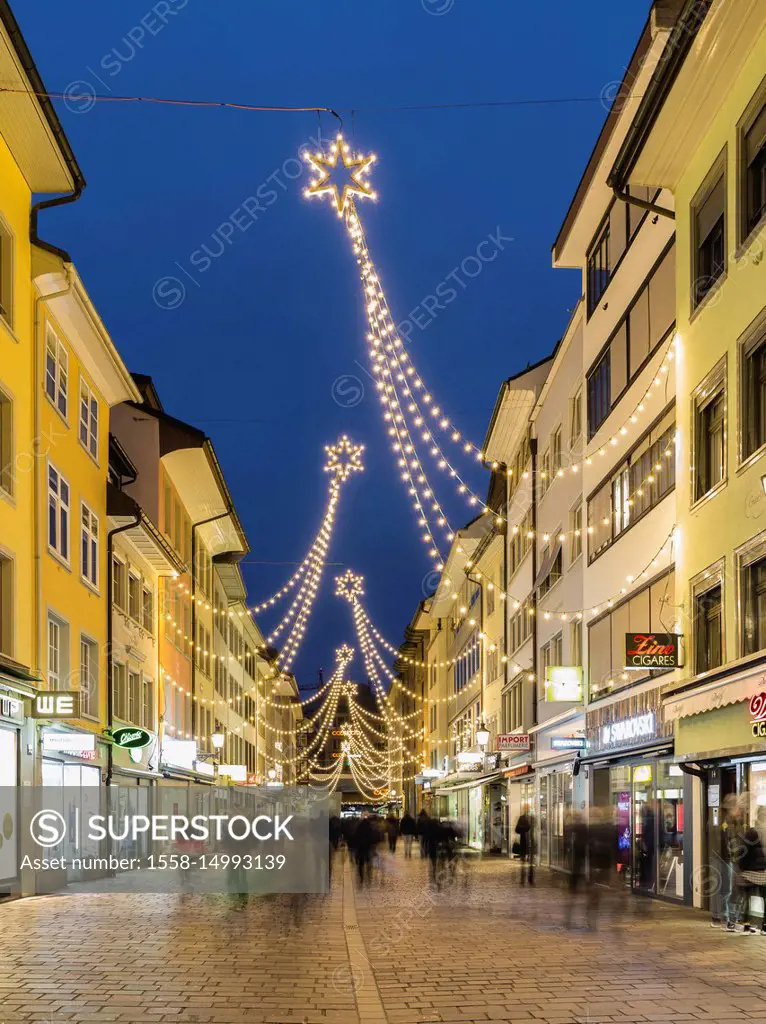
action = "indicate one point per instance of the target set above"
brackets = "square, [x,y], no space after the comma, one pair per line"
[481,949]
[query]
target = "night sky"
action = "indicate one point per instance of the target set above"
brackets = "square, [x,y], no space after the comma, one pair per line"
[266,350]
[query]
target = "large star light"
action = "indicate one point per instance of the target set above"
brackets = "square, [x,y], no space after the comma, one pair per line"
[340,174]
[344,654]
[343,458]
[349,585]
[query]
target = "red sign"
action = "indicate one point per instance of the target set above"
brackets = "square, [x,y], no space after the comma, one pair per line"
[519,742]
[758,715]
[651,650]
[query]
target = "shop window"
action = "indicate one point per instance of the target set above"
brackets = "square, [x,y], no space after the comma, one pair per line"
[708,628]
[56,371]
[752,587]
[709,230]
[88,430]
[6,443]
[650,609]
[6,605]
[88,678]
[752,157]
[709,433]
[752,390]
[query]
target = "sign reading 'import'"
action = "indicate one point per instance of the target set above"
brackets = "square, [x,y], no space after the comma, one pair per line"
[513,741]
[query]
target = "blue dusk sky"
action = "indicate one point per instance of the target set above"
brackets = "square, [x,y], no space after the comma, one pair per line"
[264,347]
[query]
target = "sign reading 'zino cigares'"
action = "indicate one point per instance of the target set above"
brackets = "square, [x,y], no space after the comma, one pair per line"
[651,650]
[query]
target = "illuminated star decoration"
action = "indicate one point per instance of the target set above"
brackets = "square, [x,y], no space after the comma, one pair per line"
[344,654]
[328,168]
[349,585]
[344,458]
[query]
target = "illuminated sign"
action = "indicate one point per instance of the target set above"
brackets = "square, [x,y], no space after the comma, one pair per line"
[235,772]
[640,727]
[563,684]
[206,768]
[651,650]
[567,743]
[10,708]
[468,762]
[758,715]
[131,739]
[69,742]
[506,741]
[179,753]
[58,704]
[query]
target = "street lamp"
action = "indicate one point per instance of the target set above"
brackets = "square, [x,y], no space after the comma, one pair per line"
[217,739]
[482,735]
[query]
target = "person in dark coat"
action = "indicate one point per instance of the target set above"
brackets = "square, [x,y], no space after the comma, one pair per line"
[423,825]
[602,858]
[367,838]
[576,839]
[525,830]
[409,830]
[392,831]
[751,869]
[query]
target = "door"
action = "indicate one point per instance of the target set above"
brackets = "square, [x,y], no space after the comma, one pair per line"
[721,786]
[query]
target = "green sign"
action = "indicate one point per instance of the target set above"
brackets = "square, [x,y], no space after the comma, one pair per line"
[131,739]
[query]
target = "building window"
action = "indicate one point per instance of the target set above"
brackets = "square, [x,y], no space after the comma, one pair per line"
[709,442]
[6,444]
[6,605]
[709,226]
[521,542]
[708,628]
[147,609]
[119,690]
[545,472]
[88,678]
[147,703]
[575,643]
[6,274]
[133,709]
[58,653]
[89,546]
[552,654]
[56,370]
[646,324]
[134,597]
[88,419]
[575,532]
[58,513]
[118,583]
[752,134]
[650,610]
[556,456]
[513,706]
[551,567]
[490,593]
[575,418]
[598,269]
[641,482]
[751,563]
[752,413]
[521,625]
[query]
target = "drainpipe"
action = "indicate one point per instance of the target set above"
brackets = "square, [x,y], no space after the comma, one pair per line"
[193,569]
[626,197]
[535,659]
[46,204]
[109,635]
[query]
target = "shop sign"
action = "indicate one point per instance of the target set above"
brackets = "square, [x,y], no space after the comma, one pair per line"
[235,772]
[563,684]
[521,769]
[467,762]
[206,768]
[131,739]
[80,743]
[519,742]
[568,743]
[179,753]
[57,704]
[652,650]
[628,730]
[11,708]
[491,762]
[433,773]
[253,779]
[758,715]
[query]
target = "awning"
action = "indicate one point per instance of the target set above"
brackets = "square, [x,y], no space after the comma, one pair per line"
[17,677]
[545,569]
[478,781]
[654,749]
[716,694]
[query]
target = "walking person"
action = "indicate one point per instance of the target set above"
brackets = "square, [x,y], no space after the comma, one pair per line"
[576,839]
[423,826]
[723,904]
[392,831]
[525,830]
[752,870]
[409,830]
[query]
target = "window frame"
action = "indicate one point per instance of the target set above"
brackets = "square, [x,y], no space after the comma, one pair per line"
[575,532]
[746,235]
[701,397]
[575,416]
[91,433]
[7,603]
[7,443]
[59,507]
[92,536]
[753,550]
[62,672]
[7,274]
[59,348]
[713,576]
[717,173]
[86,706]
[751,340]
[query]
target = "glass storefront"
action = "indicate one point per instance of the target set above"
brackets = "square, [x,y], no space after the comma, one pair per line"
[9,761]
[555,814]
[646,803]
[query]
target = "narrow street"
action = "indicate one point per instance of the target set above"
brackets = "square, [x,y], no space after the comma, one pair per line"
[481,950]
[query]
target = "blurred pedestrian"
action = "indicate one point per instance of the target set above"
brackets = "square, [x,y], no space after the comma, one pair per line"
[576,840]
[752,870]
[366,838]
[409,830]
[392,831]
[423,826]
[723,904]
[525,830]
[602,857]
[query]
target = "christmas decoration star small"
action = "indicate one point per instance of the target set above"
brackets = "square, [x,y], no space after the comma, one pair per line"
[349,585]
[344,458]
[344,653]
[327,168]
